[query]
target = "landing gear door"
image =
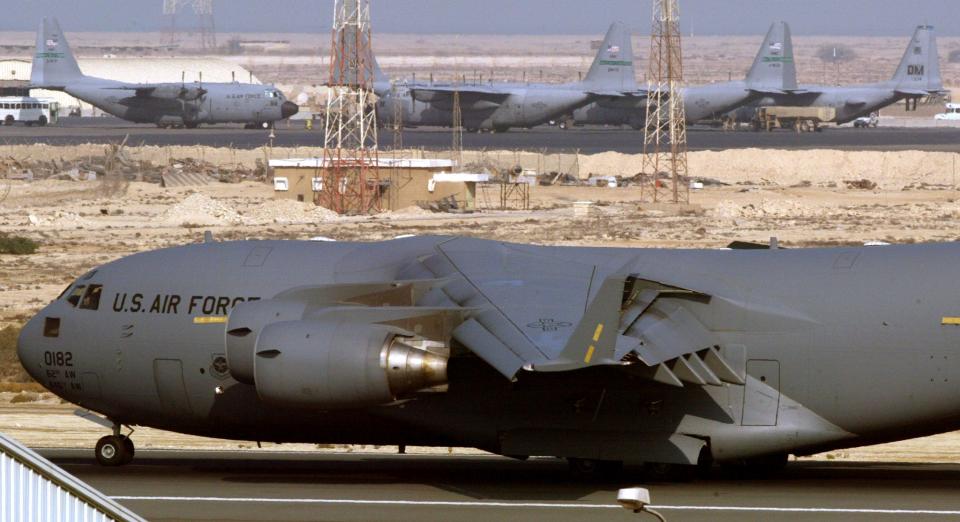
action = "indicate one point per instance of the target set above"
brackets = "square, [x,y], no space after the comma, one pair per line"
[761,395]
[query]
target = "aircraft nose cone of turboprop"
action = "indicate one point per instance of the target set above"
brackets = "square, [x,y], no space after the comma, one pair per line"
[289,109]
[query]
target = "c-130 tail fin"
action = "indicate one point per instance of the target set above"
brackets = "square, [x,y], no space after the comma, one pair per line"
[53,63]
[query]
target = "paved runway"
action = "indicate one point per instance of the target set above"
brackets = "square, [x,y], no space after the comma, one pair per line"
[167,485]
[72,131]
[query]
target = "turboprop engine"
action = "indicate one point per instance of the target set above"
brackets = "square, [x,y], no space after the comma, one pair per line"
[178,92]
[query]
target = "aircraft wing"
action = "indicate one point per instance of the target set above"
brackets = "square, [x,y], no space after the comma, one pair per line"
[534,312]
[164,91]
[787,91]
[468,94]
[619,94]
[140,90]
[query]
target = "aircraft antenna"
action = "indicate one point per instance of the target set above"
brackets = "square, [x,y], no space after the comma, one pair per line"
[665,132]
[350,173]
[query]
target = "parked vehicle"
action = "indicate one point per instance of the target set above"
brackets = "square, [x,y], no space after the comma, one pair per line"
[865,122]
[952,112]
[29,110]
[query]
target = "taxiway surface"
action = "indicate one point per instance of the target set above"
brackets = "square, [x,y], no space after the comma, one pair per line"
[255,485]
[73,131]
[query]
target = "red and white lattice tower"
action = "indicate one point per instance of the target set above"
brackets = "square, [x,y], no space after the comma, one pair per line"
[665,133]
[350,179]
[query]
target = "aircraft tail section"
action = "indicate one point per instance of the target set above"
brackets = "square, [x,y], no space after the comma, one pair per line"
[919,69]
[53,64]
[612,69]
[773,68]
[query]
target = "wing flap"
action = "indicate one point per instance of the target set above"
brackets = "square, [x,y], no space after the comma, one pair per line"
[488,347]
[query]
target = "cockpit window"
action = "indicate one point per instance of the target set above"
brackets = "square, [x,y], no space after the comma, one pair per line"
[91,299]
[76,294]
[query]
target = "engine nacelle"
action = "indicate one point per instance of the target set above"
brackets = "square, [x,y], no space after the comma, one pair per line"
[177,92]
[244,325]
[338,363]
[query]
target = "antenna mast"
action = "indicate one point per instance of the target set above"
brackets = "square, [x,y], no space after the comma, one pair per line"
[350,172]
[665,133]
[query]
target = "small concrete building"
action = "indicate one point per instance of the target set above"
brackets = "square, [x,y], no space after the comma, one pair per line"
[406,182]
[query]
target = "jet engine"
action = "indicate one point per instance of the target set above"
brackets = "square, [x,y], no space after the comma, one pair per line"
[244,325]
[338,363]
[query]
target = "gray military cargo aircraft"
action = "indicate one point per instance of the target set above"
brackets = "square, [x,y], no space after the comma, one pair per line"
[598,355]
[917,76]
[501,106]
[165,104]
[767,76]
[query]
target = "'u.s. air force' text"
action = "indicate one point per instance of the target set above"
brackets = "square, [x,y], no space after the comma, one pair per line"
[176,304]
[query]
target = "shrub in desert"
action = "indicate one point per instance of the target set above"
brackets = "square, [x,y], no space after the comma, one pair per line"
[17,245]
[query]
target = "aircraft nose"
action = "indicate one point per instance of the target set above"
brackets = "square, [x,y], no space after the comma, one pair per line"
[28,350]
[288,108]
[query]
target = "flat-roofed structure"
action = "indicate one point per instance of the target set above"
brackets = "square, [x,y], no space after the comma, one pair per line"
[428,183]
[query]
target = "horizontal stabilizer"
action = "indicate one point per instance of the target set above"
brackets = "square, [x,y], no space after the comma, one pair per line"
[908,93]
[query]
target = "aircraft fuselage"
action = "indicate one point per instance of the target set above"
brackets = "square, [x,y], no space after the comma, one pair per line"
[220,103]
[836,347]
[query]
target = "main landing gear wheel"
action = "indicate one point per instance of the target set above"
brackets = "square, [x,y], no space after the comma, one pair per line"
[594,469]
[114,450]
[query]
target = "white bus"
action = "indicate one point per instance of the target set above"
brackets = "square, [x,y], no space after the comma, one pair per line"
[29,110]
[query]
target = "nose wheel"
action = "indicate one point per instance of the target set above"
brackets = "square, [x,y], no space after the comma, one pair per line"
[114,450]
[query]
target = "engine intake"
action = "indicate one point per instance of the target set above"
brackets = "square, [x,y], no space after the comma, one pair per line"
[244,325]
[338,363]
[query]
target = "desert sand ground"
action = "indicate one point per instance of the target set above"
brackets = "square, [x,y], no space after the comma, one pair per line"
[801,197]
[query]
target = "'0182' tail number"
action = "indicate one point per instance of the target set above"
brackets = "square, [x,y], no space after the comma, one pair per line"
[58,358]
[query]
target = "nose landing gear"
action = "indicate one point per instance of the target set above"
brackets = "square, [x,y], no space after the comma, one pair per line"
[114,450]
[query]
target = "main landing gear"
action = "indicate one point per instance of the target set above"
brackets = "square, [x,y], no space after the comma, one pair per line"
[116,449]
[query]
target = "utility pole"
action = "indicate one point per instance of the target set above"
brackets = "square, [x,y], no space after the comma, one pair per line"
[350,171]
[665,133]
[456,152]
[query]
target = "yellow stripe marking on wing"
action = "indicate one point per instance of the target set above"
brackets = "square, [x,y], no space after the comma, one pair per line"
[597,332]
